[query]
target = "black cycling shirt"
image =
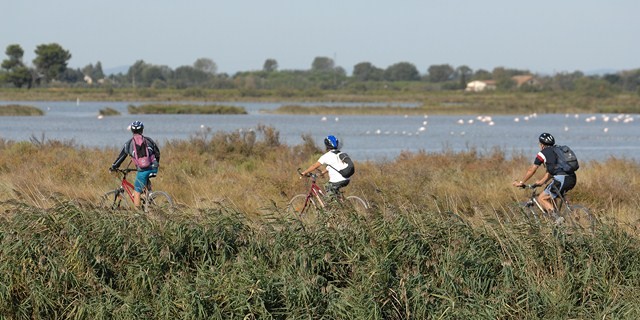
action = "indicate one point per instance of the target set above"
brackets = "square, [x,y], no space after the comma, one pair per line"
[549,158]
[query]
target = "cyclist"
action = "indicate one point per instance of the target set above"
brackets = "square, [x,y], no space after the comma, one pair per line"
[332,164]
[136,146]
[561,181]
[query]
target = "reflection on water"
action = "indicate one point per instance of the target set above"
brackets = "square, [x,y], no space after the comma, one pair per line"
[365,137]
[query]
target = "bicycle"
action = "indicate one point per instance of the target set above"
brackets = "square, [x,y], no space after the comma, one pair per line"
[577,216]
[155,201]
[308,204]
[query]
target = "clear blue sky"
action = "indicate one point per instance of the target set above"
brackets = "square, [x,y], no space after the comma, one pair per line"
[544,36]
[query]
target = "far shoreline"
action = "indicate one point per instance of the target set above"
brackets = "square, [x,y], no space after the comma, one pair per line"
[427,102]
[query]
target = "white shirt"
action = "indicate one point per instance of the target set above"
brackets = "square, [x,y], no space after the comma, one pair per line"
[334,164]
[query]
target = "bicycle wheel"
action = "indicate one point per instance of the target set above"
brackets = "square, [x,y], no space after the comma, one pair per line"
[114,200]
[532,213]
[299,206]
[580,218]
[358,205]
[159,202]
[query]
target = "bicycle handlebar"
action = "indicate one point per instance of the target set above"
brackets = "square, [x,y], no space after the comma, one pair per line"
[123,171]
[529,186]
[310,174]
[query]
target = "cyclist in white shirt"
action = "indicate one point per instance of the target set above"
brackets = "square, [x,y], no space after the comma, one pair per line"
[332,164]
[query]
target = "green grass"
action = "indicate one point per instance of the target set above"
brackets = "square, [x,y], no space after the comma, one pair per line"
[185,109]
[20,110]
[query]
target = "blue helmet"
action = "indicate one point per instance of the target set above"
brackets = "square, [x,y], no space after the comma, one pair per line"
[331,142]
[137,127]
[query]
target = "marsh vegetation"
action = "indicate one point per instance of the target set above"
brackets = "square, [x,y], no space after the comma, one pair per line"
[184,109]
[433,245]
[20,110]
[432,102]
[108,112]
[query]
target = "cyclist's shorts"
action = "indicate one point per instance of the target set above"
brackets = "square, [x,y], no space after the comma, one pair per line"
[334,187]
[560,185]
[142,177]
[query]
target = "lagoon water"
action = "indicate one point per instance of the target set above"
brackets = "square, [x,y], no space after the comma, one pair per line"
[364,137]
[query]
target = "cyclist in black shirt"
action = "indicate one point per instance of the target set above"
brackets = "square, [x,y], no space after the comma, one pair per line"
[562,181]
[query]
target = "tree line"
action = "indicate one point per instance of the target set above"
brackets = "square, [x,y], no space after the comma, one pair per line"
[50,68]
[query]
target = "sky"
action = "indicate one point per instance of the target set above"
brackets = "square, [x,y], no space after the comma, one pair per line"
[543,36]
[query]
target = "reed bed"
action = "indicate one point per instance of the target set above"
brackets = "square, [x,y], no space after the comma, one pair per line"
[70,261]
[432,246]
[184,109]
[441,102]
[20,110]
[108,112]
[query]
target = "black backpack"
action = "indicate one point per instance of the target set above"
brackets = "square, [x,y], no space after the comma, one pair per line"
[350,169]
[567,160]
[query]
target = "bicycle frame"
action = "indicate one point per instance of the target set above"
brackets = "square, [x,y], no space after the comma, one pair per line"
[578,217]
[156,201]
[316,198]
[314,191]
[557,202]
[128,187]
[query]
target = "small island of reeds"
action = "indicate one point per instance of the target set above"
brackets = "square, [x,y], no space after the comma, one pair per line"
[20,110]
[108,112]
[185,109]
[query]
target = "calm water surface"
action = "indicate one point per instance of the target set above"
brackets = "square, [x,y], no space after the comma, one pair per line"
[379,138]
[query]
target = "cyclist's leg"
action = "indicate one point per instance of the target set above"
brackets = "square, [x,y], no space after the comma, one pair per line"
[333,189]
[153,174]
[142,178]
[547,196]
[567,184]
[330,190]
[557,189]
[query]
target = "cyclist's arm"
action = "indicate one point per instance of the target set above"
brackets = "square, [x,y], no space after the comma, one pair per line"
[121,157]
[547,176]
[311,168]
[530,172]
[156,150]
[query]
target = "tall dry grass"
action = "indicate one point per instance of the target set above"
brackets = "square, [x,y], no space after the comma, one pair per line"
[253,171]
